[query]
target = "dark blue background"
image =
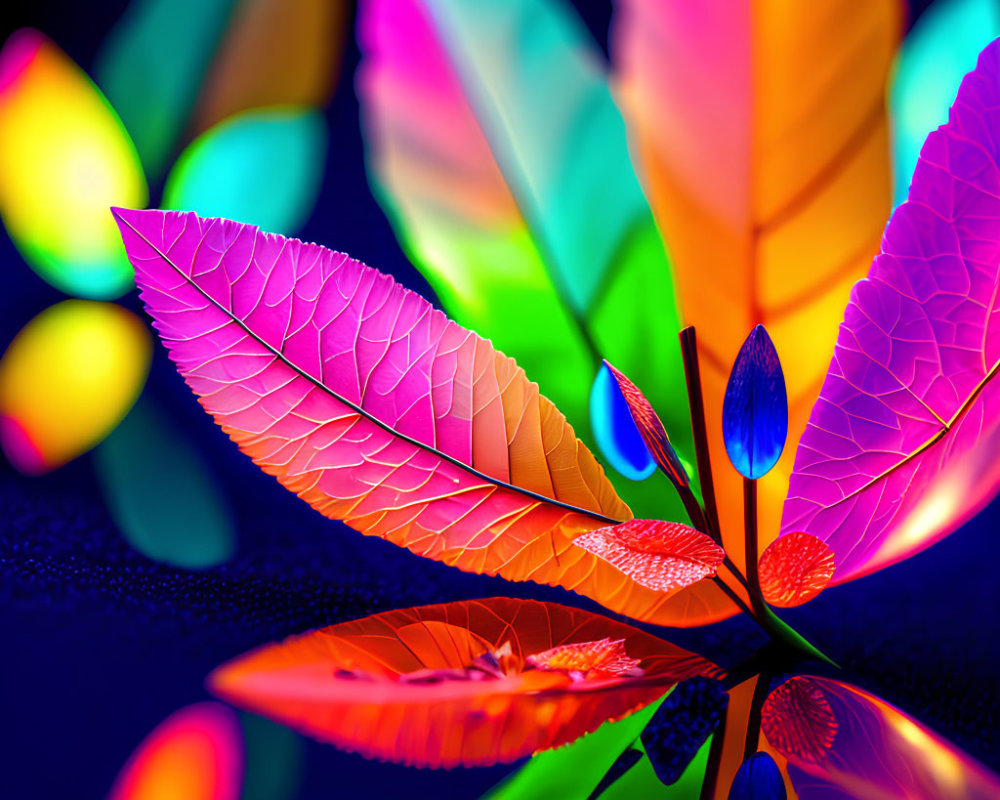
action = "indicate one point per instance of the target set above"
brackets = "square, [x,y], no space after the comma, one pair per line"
[100,644]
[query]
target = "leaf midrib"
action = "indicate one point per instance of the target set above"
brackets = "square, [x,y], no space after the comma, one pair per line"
[358,409]
[927,445]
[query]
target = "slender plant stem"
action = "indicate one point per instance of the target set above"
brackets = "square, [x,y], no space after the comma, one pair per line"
[692,507]
[750,546]
[760,612]
[735,598]
[692,374]
[739,575]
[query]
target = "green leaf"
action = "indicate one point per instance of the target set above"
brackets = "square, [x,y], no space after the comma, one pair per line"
[151,67]
[161,493]
[499,155]
[572,772]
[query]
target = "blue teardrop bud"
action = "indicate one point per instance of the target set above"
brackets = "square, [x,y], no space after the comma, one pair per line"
[755,409]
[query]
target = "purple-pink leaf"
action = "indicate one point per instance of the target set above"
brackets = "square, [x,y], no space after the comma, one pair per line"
[840,741]
[893,457]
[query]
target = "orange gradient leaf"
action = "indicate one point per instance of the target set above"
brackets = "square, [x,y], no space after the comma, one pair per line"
[794,569]
[376,409]
[454,684]
[761,131]
[663,556]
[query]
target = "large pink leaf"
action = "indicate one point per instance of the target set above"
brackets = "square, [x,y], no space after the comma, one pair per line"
[893,457]
[843,742]
[474,682]
[375,408]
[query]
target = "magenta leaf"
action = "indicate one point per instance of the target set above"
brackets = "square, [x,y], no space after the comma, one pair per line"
[898,449]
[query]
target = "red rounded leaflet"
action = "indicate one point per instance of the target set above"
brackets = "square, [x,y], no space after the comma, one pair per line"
[755,407]
[471,683]
[662,556]
[794,569]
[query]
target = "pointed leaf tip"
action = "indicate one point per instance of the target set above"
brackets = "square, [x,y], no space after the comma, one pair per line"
[794,569]
[649,426]
[662,556]
[755,407]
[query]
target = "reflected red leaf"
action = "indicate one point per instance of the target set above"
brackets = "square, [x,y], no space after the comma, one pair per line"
[843,742]
[418,686]
[794,569]
[662,556]
[797,720]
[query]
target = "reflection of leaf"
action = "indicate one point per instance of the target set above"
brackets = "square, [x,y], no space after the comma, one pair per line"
[942,46]
[910,395]
[797,720]
[876,752]
[498,151]
[263,168]
[65,158]
[758,779]
[195,753]
[349,684]
[761,131]
[573,771]
[374,408]
[681,726]
[162,494]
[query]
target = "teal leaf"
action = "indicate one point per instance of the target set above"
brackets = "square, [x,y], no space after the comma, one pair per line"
[151,67]
[161,493]
[261,167]
[943,45]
